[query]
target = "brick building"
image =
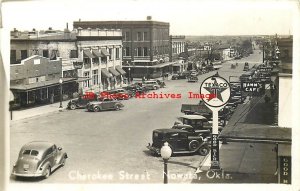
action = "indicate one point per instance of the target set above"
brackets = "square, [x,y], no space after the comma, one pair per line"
[145,45]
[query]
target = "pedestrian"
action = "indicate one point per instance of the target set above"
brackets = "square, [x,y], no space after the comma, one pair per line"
[52,98]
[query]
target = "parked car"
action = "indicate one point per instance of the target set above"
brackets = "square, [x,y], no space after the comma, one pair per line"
[81,102]
[179,140]
[205,133]
[39,159]
[119,94]
[151,85]
[175,77]
[104,104]
[246,66]
[193,79]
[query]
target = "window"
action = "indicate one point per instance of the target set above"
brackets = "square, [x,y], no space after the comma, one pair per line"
[139,51]
[145,51]
[24,54]
[13,56]
[86,60]
[110,51]
[127,51]
[54,54]
[95,77]
[139,36]
[73,54]
[86,83]
[96,60]
[117,53]
[145,36]
[127,38]
[46,53]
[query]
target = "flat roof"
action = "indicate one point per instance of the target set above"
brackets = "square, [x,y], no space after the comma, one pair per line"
[253,122]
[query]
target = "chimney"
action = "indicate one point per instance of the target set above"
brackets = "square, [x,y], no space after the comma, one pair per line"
[149,18]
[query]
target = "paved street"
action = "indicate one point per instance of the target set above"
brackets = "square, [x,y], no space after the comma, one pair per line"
[113,143]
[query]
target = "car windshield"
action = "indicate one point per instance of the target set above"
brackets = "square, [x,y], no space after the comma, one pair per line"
[31,152]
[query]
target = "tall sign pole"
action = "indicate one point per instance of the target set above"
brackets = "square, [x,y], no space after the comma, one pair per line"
[219,94]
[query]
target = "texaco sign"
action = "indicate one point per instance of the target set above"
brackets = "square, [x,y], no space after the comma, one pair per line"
[219,90]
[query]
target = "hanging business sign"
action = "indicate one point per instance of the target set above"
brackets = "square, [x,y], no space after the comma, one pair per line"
[219,90]
[251,86]
[77,65]
[285,170]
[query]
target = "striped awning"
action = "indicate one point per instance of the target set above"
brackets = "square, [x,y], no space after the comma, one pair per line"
[113,71]
[105,73]
[120,70]
[87,53]
[97,53]
[104,52]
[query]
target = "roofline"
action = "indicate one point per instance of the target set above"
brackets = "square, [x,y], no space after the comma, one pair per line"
[80,23]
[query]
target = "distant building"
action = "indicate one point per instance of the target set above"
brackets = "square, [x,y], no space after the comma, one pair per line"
[145,45]
[178,53]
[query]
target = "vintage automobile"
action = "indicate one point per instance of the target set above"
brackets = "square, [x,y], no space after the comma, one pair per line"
[39,159]
[82,101]
[151,85]
[192,79]
[119,94]
[180,142]
[198,122]
[205,133]
[246,66]
[104,104]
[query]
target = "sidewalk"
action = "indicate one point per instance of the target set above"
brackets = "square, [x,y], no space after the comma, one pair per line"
[36,111]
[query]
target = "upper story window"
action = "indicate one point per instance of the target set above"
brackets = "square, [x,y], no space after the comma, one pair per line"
[110,51]
[127,51]
[13,56]
[139,36]
[145,36]
[126,36]
[117,53]
[73,54]
[46,53]
[24,54]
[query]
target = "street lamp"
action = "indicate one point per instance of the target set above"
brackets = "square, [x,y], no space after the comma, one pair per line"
[129,77]
[60,83]
[166,153]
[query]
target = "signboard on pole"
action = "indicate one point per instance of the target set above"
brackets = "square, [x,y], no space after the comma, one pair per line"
[220,89]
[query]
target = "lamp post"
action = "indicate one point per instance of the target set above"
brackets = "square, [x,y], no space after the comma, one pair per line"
[60,83]
[166,153]
[129,76]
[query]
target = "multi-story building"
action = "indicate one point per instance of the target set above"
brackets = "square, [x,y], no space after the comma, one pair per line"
[177,48]
[92,58]
[145,45]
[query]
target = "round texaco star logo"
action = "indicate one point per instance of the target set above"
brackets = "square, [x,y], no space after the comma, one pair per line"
[218,90]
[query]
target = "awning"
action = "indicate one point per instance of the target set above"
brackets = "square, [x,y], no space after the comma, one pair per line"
[97,53]
[104,52]
[120,70]
[87,53]
[113,71]
[40,85]
[105,73]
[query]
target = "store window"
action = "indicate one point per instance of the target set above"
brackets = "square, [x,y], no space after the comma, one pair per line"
[86,83]
[95,77]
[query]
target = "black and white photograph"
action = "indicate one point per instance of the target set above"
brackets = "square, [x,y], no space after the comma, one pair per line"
[185,93]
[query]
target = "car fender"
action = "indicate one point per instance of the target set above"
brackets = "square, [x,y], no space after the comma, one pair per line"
[61,157]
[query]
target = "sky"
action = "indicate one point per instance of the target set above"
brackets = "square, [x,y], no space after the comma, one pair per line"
[186,17]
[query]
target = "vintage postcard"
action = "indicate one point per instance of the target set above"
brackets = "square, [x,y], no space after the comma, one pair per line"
[197,94]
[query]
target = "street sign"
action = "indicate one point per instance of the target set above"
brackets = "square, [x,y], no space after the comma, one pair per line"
[217,86]
[220,89]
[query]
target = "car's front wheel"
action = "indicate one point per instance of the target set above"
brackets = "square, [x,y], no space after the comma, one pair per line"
[48,172]
[96,109]
[203,150]
[117,107]
[72,106]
